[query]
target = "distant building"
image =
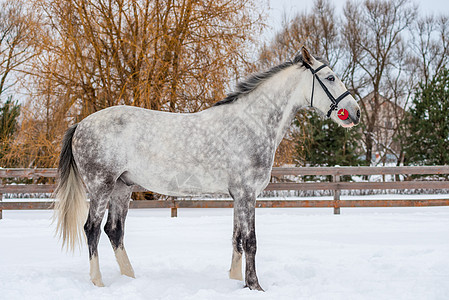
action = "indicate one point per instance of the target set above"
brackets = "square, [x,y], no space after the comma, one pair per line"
[389,116]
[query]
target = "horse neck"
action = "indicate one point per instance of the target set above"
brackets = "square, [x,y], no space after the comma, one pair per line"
[272,106]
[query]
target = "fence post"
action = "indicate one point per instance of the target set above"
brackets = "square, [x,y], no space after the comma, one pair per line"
[336,178]
[174,212]
[173,209]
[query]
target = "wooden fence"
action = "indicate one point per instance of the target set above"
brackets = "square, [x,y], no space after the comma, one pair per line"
[276,185]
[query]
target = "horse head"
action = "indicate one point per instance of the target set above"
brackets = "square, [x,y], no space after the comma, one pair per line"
[327,93]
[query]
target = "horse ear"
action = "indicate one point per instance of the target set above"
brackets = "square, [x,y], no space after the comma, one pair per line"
[306,55]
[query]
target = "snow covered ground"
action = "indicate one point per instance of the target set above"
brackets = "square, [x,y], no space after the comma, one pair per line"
[370,253]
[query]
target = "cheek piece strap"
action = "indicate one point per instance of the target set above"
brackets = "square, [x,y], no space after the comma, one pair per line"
[334,102]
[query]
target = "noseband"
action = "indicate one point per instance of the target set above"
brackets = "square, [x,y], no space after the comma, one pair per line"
[334,104]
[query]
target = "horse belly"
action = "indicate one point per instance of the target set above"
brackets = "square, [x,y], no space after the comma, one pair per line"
[182,182]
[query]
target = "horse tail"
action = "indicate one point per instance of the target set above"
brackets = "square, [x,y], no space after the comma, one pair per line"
[71,209]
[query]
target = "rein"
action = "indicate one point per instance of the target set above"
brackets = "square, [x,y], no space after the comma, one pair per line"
[334,104]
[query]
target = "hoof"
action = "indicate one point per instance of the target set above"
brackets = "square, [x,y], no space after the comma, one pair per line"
[255,287]
[236,275]
[129,274]
[98,282]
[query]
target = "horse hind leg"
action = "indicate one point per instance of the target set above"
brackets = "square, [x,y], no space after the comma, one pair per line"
[92,228]
[115,225]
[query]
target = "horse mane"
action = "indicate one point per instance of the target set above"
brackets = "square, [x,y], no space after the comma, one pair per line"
[253,81]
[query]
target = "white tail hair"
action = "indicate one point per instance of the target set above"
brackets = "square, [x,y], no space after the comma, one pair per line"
[71,206]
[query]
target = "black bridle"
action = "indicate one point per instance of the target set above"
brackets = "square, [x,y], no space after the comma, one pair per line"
[334,104]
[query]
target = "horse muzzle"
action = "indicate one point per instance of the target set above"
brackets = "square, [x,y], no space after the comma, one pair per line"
[351,119]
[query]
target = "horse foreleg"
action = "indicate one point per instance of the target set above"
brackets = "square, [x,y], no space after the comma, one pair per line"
[236,264]
[250,248]
[244,211]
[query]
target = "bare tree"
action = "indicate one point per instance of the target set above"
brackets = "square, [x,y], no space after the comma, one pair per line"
[316,29]
[430,46]
[17,38]
[164,55]
[373,36]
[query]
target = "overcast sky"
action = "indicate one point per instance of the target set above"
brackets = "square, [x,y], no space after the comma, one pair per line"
[291,7]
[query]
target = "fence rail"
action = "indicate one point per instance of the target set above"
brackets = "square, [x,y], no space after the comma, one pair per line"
[336,186]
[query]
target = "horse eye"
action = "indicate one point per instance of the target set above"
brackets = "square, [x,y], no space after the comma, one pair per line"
[330,78]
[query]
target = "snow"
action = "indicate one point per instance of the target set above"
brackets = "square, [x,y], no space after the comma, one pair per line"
[303,253]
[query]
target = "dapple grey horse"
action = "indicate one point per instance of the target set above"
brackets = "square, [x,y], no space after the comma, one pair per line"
[228,148]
